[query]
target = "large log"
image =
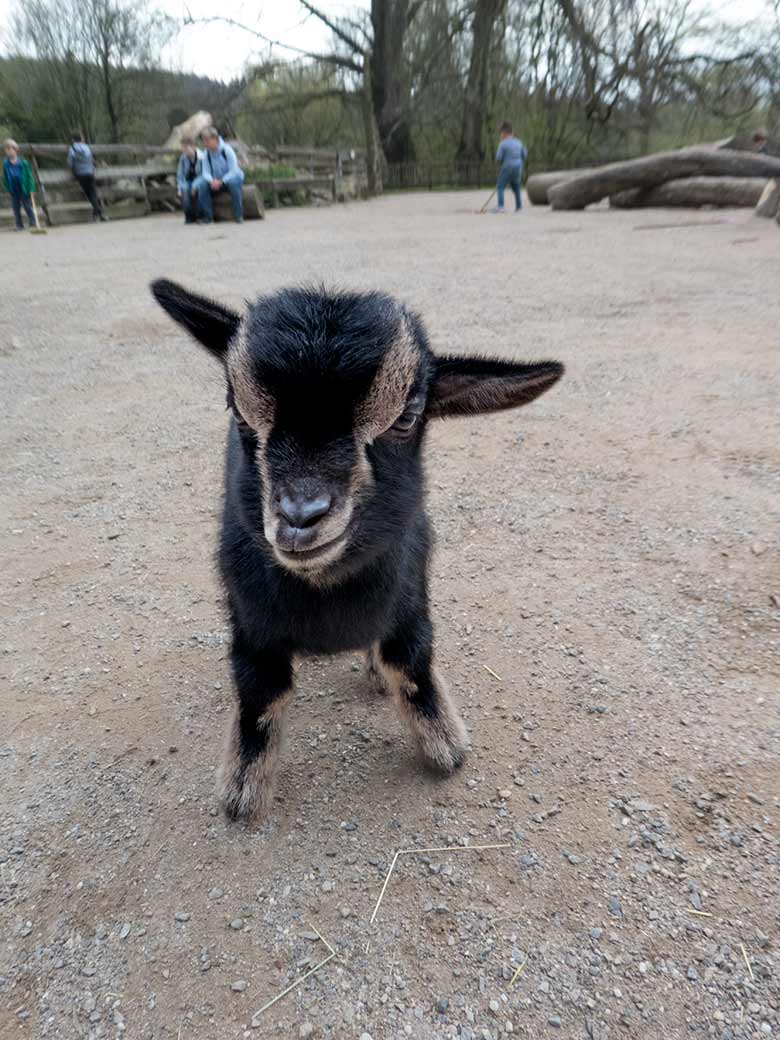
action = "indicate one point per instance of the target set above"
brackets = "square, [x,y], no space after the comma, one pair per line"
[769,203]
[253,204]
[594,185]
[538,184]
[692,192]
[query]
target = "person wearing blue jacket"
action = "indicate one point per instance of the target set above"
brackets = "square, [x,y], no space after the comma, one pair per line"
[82,166]
[188,171]
[512,154]
[219,172]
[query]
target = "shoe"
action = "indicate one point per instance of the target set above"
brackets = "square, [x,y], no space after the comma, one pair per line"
[19,229]
[103,218]
[202,220]
[239,220]
[498,209]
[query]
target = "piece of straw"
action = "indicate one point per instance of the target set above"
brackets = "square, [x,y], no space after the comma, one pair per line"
[699,913]
[491,672]
[514,977]
[446,848]
[293,985]
[750,970]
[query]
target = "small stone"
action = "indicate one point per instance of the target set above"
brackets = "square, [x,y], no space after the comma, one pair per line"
[366,1036]
[327,886]
[692,974]
[239,986]
[614,906]
[554,1020]
[755,798]
[216,893]
[596,933]
[124,931]
[442,1004]
[495,1007]
[305,1031]
[758,549]
[88,970]
[237,924]
[504,793]
[181,916]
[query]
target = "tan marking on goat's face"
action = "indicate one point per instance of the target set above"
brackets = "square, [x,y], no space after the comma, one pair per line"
[246,789]
[387,396]
[253,401]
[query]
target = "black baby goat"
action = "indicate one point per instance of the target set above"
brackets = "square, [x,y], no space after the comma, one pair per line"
[325,540]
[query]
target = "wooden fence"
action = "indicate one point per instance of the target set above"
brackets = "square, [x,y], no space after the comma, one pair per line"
[140,178]
[430,175]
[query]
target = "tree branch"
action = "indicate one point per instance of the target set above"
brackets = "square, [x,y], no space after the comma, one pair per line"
[329,59]
[341,33]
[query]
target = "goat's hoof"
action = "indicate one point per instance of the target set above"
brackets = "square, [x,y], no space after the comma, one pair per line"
[444,742]
[243,795]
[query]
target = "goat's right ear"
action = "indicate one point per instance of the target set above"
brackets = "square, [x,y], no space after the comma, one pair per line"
[210,323]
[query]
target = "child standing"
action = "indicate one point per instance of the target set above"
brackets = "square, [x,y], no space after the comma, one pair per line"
[512,155]
[19,183]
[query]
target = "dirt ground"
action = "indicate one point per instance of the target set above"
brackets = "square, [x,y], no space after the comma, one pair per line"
[607,599]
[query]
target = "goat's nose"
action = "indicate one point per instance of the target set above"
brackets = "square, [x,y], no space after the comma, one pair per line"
[304,512]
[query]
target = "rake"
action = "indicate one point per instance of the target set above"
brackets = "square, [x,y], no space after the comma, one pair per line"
[37,230]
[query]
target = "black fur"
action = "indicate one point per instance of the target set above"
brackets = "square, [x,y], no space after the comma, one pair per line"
[316,356]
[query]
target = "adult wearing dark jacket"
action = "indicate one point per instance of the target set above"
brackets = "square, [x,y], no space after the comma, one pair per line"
[82,166]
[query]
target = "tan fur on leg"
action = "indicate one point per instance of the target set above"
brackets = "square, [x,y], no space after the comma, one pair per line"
[376,672]
[442,740]
[246,789]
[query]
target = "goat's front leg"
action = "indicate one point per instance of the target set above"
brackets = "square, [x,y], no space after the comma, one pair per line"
[405,660]
[263,681]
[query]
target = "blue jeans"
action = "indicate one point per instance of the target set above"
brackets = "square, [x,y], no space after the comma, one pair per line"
[205,196]
[17,201]
[512,177]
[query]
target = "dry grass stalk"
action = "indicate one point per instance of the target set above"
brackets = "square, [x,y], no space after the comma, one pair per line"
[514,977]
[491,672]
[293,985]
[446,848]
[744,954]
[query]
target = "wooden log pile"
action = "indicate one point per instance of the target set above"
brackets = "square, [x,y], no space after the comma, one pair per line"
[724,174]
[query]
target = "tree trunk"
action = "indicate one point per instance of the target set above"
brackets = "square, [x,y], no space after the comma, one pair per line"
[108,92]
[486,14]
[371,130]
[538,184]
[594,185]
[692,192]
[390,82]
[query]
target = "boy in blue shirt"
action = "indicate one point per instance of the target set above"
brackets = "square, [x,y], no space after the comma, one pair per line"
[512,154]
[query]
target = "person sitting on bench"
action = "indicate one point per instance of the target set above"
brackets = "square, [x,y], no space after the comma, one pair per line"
[187,173]
[220,172]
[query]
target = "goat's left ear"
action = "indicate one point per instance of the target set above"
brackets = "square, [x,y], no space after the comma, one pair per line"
[471,386]
[210,323]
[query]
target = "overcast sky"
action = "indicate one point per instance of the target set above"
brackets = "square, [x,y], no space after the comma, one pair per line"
[220,51]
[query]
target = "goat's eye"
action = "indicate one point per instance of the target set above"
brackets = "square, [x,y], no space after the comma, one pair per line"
[408,419]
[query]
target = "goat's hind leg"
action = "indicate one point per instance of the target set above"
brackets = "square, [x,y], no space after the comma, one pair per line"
[376,672]
[263,681]
[422,697]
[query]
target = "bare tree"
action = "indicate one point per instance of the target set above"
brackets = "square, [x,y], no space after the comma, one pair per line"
[89,48]
[487,16]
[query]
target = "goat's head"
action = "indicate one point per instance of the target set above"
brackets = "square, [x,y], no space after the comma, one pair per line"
[331,393]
